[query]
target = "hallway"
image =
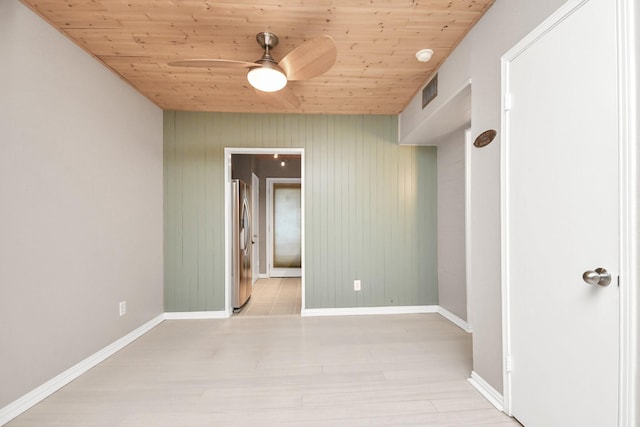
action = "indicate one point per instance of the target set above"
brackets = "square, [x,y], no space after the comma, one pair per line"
[274,297]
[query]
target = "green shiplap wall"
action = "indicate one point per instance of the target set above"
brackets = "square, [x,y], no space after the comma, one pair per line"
[370,207]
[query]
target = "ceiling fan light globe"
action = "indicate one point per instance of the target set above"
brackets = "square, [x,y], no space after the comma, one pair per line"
[267,79]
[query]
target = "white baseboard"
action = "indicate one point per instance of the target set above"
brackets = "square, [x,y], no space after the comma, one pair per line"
[263,276]
[192,315]
[35,396]
[462,324]
[485,389]
[40,393]
[360,311]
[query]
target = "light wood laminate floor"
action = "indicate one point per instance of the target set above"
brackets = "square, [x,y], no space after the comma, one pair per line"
[394,370]
[274,297]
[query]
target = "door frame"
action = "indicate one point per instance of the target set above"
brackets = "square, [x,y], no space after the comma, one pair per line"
[228,152]
[468,146]
[270,217]
[255,227]
[628,410]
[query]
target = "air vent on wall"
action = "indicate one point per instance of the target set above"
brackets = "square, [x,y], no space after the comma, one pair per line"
[430,91]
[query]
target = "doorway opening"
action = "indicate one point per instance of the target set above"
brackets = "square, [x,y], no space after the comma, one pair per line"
[267,294]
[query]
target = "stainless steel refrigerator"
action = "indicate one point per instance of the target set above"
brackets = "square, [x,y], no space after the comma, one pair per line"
[241,236]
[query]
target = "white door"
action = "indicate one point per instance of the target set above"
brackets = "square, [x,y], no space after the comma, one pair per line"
[255,224]
[561,211]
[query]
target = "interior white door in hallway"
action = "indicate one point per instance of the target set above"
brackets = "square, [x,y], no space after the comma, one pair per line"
[561,219]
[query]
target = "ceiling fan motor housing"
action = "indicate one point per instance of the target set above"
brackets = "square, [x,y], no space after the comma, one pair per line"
[267,40]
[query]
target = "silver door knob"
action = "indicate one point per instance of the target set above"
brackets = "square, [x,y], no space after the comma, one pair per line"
[600,277]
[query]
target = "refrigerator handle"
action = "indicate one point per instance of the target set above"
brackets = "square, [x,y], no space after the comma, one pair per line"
[246,224]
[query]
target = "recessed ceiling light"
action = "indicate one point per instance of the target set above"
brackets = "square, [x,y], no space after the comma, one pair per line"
[424,55]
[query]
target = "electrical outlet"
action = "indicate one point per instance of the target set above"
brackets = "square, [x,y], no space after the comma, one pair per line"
[356,285]
[123,308]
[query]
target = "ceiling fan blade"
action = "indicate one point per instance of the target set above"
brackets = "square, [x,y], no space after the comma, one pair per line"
[213,63]
[310,59]
[284,98]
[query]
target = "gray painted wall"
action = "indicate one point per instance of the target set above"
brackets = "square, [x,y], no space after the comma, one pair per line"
[370,207]
[452,288]
[81,204]
[477,58]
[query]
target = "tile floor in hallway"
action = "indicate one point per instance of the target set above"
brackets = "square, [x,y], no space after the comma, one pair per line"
[274,297]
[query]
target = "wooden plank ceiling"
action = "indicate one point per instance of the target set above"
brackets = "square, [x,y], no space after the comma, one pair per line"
[376,71]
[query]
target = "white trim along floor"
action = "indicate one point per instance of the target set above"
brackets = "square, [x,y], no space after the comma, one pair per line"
[285,370]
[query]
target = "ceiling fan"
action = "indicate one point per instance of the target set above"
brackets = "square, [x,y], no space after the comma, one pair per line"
[269,77]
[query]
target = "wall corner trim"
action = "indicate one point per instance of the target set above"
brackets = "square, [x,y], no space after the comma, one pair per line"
[485,389]
[462,324]
[40,393]
[195,315]
[364,311]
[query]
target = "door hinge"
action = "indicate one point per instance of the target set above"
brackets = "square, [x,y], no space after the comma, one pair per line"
[509,363]
[507,101]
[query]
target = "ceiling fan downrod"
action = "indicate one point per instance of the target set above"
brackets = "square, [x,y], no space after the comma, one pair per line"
[267,41]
